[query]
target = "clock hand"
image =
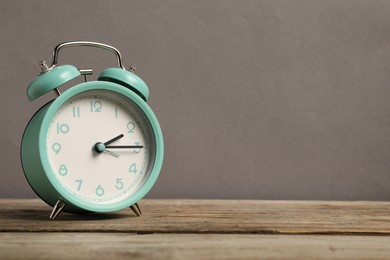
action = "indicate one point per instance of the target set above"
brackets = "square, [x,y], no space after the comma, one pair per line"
[112,153]
[113,139]
[124,146]
[101,147]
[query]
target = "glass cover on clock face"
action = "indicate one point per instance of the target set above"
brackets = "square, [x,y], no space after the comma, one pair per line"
[100,146]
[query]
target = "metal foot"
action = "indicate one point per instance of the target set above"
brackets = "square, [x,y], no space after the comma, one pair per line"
[57,209]
[135,208]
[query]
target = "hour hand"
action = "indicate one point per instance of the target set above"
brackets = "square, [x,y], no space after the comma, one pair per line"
[113,139]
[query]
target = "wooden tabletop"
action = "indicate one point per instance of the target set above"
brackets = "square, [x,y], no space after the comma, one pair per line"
[200,229]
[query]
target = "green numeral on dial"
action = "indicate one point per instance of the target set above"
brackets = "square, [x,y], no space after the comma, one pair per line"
[76,111]
[63,170]
[99,190]
[96,106]
[62,128]
[56,148]
[133,168]
[119,184]
[138,149]
[130,127]
[116,112]
[79,184]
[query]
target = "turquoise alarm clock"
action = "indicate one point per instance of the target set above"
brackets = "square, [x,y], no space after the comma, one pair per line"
[97,147]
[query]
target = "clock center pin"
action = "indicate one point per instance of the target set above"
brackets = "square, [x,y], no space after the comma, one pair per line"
[100,147]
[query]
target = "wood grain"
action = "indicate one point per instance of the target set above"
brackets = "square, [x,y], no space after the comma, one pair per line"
[190,246]
[208,217]
[200,229]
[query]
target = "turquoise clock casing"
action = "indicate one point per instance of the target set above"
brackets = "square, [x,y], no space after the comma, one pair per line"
[97,147]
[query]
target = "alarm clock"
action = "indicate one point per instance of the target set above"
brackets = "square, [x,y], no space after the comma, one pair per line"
[98,146]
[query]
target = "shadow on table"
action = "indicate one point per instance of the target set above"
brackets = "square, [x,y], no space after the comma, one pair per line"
[42,215]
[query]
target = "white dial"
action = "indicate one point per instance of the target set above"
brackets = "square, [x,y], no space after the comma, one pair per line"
[100,146]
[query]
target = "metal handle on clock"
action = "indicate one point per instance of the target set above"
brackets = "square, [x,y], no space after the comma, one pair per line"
[87,44]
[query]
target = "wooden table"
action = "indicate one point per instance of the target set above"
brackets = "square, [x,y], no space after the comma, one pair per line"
[200,229]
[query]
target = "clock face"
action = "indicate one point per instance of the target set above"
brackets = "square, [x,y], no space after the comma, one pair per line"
[100,147]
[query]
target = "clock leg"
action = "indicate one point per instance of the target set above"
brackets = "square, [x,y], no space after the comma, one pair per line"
[135,208]
[136,204]
[57,209]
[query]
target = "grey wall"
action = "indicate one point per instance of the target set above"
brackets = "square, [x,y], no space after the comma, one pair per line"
[257,99]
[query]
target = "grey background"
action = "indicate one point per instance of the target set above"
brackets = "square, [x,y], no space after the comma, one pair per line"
[256,99]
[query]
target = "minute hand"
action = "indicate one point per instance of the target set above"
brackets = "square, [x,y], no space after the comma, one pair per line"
[124,146]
